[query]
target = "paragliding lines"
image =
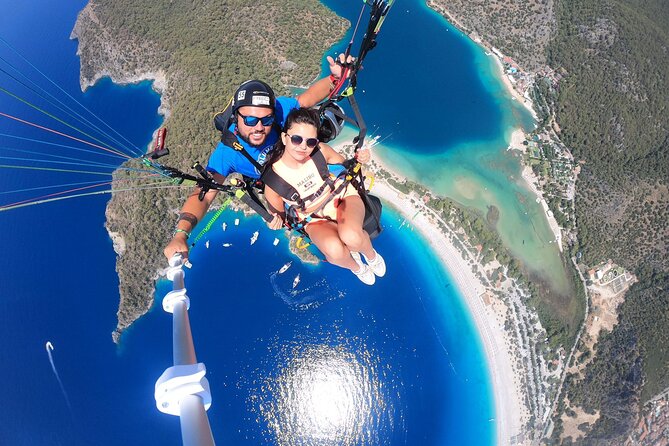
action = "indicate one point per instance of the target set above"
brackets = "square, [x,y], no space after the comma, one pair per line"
[24,59]
[65,109]
[53,144]
[23,121]
[39,161]
[56,196]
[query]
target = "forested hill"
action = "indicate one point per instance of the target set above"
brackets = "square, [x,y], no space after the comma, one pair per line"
[613,114]
[520,28]
[612,110]
[202,49]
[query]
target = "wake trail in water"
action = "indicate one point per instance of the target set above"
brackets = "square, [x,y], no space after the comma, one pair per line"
[418,290]
[302,298]
[436,333]
[49,349]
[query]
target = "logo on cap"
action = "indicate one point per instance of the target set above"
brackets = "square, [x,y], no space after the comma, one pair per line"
[241,95]
[260,100]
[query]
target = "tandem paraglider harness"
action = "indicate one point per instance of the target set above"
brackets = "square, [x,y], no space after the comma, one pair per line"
[332,118]
[336,178]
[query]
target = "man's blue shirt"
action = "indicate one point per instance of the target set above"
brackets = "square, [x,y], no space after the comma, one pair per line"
[226,160]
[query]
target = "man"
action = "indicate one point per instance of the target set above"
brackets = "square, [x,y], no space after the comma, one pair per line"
[258,117]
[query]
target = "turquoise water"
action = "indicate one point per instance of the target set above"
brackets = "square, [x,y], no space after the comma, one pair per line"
[379,365]
[445,120]
[398,363]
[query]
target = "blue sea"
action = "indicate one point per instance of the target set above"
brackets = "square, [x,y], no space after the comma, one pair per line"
[330,361]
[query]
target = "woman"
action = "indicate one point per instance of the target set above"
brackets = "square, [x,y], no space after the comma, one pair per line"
[333,223]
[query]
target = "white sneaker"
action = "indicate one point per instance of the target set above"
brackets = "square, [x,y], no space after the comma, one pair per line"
[364,273]
[377,264]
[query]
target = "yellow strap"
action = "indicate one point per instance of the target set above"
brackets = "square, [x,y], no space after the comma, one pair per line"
[347,92]
[371,177]
[224,108]
[300,243]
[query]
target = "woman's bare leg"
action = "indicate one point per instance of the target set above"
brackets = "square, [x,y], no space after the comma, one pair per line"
[350,218]
[325,236]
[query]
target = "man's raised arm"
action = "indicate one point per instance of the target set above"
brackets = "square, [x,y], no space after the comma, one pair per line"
[321,89]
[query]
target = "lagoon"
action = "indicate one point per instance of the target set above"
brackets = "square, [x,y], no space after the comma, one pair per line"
[445,119]
[399,363]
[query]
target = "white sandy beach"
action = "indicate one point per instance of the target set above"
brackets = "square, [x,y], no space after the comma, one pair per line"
[517,138]
[508,398]
[527,103]
[510,409]
[489,319]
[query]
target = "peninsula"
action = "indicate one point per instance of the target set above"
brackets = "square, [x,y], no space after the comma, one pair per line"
[130,41]
[491,282]
[544,366]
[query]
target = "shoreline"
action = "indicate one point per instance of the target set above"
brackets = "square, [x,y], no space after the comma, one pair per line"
[158,81]
[488,50]
[517,138]
[508,400]
[518,135]
[488,317]
[506,80]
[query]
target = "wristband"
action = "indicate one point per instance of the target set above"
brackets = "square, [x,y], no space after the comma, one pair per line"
[178,230]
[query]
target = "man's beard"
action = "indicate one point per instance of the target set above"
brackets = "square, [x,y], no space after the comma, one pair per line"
[247,141]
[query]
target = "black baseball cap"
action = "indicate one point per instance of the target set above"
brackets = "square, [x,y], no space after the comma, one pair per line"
[254,93]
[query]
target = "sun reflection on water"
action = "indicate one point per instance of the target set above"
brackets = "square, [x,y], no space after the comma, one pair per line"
[324,395]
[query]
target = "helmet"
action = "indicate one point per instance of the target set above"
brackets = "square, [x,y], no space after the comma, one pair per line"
[254,93]
[332,121]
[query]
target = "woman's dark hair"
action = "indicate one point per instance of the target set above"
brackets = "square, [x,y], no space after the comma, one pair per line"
[297,116]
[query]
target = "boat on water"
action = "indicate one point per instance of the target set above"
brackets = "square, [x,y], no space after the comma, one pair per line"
[285,267]
[276,241]
[227,245]
[296,280]
[236,222]
[225,226]
[254,237]
[206,244]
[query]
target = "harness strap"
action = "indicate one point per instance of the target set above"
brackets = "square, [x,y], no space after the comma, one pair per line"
[288,192]
[352,172]
[230,139]
[333,193]
[223,120]
[372,220]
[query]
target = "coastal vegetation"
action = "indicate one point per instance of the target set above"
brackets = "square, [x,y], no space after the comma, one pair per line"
[609,108]
[605,98]
[521,28]
[612,113]
[619,380]
[560,316]
[198,52]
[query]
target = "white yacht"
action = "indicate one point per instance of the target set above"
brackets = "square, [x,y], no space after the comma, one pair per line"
[285,267]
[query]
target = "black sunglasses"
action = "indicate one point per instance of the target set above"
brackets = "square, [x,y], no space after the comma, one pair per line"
[252,121]
[297,140]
